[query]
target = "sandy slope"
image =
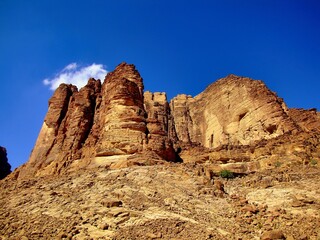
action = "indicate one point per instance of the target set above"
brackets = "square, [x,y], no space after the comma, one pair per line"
[173,201]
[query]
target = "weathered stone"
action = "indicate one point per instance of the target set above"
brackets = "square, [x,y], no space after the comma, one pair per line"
[250,208]
[308,120]
[111,203]
[103,226]
[231,111]
[236,121]
[158,118]
[65,129]
[273,235]
[180,108]
[122,112]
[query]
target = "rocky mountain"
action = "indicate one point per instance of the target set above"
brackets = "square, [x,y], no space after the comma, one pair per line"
[116,123]
[113,161]
[5,167]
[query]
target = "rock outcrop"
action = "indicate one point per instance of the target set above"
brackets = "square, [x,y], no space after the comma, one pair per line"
[110,123]
[99,123]
[122,114]
[65,128]
[91,138]
[231,111]
[308,120]
[5,168]
[159,125]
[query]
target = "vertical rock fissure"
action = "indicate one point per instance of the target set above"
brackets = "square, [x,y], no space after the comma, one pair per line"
[90,124]
[64,109]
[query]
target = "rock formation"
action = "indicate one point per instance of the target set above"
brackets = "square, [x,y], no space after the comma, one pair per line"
[100,122]
[231,111]
[308,120]
[159,125]
[123,117]
[5,167]
[104,124]
[91,137]
[65,128]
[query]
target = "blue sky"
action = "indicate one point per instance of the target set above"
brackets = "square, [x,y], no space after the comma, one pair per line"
[178,47]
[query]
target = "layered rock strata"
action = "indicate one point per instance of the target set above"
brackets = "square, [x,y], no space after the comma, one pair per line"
[103,124]
[123,117]
[308,120]
[101,121]
[65,129]
[159,125]
[232,111]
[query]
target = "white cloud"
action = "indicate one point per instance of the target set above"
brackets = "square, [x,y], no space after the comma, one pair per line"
[71,66]
[76,75]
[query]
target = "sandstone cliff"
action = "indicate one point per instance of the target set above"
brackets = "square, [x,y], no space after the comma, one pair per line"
[100,122]
[115,122]
[5,167]
[90,138]
[308,120]
[159,125]
[232,111]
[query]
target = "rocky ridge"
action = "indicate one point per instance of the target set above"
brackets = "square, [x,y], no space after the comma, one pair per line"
[116,124]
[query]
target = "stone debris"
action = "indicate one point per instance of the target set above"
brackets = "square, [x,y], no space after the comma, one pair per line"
[177,204]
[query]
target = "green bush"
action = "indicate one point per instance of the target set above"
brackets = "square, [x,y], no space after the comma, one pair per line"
[226,174]
[277,164]
[313,162]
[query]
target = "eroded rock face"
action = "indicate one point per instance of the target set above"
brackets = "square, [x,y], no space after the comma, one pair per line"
[308,120]
[117,124]
[232,111]
[5,167]
[65,129]
[122,112]
[99,121]
[180,108]
[159,125]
